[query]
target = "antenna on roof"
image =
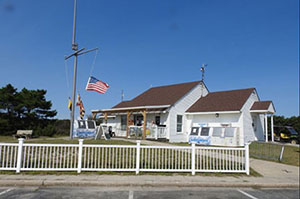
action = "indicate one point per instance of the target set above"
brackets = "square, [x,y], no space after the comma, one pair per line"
[202,70]
[122,95]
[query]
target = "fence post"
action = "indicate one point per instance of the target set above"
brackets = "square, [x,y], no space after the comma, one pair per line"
[193,158]
[281,153]
[138,148]
[80,156]
[19,158]
[247,164]
[156,132]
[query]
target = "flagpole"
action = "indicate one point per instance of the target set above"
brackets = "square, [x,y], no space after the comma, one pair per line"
[75,48]
[75,54]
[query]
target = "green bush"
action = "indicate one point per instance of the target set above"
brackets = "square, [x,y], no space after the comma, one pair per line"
[49,130]
[62,127]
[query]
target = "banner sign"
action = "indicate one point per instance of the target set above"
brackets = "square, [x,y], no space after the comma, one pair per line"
[199,140]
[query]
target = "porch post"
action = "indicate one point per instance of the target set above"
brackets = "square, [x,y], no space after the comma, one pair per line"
[127,124]
[105,118]
[94,116]
[272,128]
[144,125]
[266,127]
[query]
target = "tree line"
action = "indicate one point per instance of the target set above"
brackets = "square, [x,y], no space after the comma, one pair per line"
[28,109]
[293,121]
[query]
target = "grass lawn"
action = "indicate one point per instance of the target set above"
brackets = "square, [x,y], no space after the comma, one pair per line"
[64,140]
[271,152]
[291,155]
[253,173]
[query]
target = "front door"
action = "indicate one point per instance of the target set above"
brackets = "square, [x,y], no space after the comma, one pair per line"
[138,120]
[157,120]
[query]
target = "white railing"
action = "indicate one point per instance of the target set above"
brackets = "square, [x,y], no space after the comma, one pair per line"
[119,131]
[161,132]
[156,132]
[80,157]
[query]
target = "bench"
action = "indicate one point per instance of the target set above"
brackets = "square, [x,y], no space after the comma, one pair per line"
[23,134]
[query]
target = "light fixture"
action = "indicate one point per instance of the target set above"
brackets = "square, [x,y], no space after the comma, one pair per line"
[217,115]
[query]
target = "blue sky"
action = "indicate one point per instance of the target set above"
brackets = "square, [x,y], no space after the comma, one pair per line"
[246,43]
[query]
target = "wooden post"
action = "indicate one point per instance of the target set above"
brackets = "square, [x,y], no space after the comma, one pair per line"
[144,125]
[94,116]
[127,124]
[105,118]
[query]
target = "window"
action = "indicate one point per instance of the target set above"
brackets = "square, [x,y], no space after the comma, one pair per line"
[91,124]
[179,123]
[123,122]
[195,131]
[229,132]
[204,131]
[81,124]
[217,132]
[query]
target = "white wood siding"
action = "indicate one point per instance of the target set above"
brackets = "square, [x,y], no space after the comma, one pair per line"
[234,119]
[248,129]
[213,121]
[179,108]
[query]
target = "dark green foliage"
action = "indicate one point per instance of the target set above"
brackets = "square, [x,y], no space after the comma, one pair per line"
[49,130]
[62,127]
[291,121]
[27,109]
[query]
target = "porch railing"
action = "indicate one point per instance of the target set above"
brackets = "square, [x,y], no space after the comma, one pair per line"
[156,132]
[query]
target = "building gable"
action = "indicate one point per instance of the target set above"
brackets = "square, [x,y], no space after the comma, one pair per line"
[162,95]
[232,100]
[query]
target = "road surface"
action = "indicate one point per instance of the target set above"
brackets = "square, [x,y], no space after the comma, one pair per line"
[144,193]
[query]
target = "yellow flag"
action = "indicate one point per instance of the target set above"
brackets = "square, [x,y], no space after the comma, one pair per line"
[70,104]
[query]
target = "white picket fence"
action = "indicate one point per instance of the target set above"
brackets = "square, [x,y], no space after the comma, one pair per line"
[136,158]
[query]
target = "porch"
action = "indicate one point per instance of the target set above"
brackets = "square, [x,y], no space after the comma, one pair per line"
[153,131]
[265,109]
[147,122]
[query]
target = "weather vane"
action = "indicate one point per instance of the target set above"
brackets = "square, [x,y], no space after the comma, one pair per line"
[203,70]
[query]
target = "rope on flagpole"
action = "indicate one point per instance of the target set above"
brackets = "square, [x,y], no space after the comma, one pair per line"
[67,77]
[94,62]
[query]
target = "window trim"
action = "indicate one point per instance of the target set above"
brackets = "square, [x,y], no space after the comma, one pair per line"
[181,124]
[205,128]
[125,120]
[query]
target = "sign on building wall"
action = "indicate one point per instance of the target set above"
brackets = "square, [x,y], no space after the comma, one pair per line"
[199,140]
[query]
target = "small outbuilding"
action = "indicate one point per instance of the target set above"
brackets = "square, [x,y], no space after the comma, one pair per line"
[188,112]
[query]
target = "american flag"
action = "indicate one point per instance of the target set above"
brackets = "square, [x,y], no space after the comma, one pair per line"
[96,85]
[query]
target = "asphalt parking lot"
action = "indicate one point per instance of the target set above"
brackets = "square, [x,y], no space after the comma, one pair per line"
[143,192]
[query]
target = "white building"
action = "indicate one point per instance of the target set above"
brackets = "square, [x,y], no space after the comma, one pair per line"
[188,111]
